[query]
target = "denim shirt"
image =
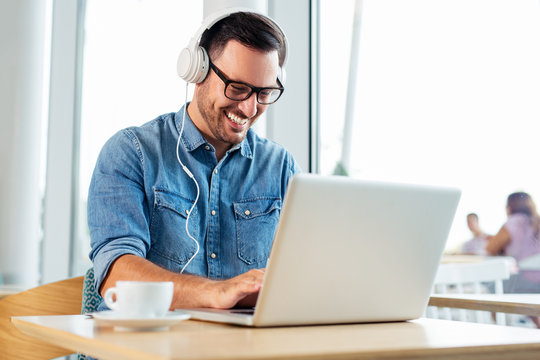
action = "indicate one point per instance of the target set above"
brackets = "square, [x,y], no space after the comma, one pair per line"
[139,198]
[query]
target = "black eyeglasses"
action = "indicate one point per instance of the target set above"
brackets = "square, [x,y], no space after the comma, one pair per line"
[240,91]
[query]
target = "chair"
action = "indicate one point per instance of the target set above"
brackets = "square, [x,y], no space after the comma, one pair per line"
[58,298]
[90,300]
[476,278]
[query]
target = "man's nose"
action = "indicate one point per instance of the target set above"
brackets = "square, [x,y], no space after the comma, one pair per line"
[249,106]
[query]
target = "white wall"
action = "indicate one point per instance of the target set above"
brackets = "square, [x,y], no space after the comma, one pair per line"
[211,6]
[22,29]
[289,120]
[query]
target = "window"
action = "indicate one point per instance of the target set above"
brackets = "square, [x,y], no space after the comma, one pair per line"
[129,78]
[446,93]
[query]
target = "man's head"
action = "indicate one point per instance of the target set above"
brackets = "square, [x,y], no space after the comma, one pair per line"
[246,51]
[472,222]
[252,30]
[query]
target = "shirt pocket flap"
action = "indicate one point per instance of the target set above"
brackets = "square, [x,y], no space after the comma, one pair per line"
[252,208]
[174,202]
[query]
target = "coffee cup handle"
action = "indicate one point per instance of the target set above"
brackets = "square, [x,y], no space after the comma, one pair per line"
[111,304]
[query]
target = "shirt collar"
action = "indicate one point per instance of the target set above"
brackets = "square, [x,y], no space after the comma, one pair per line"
[193,139]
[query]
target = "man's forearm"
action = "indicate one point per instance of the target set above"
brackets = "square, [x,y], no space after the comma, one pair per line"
[189,290]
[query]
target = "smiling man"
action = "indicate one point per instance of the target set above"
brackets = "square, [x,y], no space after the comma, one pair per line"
[208,226]
[216,111]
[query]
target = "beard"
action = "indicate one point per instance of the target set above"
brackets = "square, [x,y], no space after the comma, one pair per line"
[217,121]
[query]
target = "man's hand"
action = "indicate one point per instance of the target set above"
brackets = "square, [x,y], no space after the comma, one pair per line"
[189,291]
[241,290]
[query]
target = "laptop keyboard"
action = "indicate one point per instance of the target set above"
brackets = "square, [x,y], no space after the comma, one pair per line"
[243,311]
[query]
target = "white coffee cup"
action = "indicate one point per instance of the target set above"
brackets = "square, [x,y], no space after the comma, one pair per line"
[140,299]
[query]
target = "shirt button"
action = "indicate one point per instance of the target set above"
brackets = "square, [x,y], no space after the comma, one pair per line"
[247,212]
[207,147]
[187,212]
[213,256]
[213,212]
[215,171]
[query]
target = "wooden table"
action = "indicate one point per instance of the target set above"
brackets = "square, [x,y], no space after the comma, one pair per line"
[418,339]
[473,259]
[525,304]
[461,258]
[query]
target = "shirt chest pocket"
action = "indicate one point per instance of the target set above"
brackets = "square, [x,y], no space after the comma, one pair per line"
[170,242]
[256,222]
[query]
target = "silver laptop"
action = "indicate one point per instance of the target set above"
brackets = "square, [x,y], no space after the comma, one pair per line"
[350,251]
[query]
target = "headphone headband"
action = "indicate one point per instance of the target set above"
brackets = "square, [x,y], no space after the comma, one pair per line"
[193,62]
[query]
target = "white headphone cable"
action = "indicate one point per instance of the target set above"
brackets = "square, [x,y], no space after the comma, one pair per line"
[186,170]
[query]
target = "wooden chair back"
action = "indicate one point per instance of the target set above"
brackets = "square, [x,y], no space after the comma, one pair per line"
[59,298]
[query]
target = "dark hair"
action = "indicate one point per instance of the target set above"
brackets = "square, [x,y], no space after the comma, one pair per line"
[522,203]
[250,29]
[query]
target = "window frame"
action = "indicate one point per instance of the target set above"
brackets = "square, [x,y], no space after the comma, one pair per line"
[59,210]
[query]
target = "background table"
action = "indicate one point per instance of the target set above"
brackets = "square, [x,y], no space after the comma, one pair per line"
[525,304]
[419,339]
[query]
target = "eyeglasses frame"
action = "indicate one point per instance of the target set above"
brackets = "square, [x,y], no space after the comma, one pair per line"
[254,89]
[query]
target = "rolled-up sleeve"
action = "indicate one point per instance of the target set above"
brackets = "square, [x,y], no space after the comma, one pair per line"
[118,215]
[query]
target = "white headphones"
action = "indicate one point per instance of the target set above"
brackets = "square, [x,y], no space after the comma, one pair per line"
[193,62]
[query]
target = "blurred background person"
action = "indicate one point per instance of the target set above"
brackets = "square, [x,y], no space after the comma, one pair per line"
[519,238]
[476,245]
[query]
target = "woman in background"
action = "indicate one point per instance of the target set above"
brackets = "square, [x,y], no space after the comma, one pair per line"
[519,237]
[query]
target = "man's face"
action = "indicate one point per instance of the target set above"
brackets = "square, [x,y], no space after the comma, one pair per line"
[225,122]
[472,222]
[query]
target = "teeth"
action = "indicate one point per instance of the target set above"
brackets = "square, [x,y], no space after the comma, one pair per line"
[236,119]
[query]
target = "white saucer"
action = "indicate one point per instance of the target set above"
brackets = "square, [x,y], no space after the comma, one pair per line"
[121,322]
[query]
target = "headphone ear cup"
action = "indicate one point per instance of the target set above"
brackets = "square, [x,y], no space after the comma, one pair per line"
[203,64]
[192,66]
[184,64]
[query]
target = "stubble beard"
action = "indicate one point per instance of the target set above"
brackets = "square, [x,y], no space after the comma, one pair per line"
[214,119]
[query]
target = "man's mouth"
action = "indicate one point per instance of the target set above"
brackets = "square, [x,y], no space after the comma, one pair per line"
[236,119]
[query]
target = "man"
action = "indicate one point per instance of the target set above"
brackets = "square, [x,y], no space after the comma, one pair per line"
[476,245]
[140,198]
